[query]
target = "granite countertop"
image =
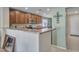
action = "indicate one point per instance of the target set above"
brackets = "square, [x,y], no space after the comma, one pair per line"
[34,30]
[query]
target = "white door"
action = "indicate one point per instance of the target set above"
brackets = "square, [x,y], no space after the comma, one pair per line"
[74,24]
[73,32]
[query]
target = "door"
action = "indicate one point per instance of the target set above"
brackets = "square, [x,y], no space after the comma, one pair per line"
[73,32]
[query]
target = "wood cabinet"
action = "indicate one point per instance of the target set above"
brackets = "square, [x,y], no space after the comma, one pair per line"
[29,17]
[12,17]
[39,20]
[22,18]
[19,17]
[34,18]
[26,18]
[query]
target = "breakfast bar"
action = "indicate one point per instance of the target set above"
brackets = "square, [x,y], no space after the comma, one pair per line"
[31,40]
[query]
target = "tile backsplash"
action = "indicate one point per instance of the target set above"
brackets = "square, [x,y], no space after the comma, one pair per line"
[25,25]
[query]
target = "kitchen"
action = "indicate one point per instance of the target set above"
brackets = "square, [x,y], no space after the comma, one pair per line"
[33,27]
[32,31]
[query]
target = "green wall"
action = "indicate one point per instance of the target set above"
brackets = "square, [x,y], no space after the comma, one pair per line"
[61,27]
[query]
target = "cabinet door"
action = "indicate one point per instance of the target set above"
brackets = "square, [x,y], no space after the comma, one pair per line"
[26,18]
[33,19]
[38,19]
[17,17]
[22,18]
[29,17]
[12,17]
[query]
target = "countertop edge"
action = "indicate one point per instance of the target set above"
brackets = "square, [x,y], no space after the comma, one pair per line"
[44,31]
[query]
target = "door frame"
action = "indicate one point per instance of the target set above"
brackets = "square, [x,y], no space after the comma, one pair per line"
[67,31]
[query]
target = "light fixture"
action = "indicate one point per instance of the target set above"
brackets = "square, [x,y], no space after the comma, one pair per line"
[44,14]
[76,12]
[48,9]
[37,11]
[26,8]
[17,11]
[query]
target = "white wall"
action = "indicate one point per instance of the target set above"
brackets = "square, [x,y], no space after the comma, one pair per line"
[4,21]
[6,17]
[1,24]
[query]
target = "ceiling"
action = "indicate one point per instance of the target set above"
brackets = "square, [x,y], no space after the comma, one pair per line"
[72,10]
[43,11]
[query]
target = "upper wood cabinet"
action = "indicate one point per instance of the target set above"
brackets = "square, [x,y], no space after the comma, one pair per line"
[19,17]
[26,18]
[12,17]
[22,18]
[39,20]
[34,18]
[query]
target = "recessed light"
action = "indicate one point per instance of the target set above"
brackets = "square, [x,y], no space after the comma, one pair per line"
[37,11]
[17,11]
[44,14]
[76,11]
[48,9]
[26,8]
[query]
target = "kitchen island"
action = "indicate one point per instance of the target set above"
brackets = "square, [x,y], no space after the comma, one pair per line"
[31,40]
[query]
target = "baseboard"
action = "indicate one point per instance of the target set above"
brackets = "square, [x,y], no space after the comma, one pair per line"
[59,47]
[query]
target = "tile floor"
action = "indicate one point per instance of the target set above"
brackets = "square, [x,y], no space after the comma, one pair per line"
[73,46]
[1,50]
[55,49]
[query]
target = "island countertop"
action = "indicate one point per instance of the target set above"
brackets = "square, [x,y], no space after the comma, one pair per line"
[31,40]
[34,30]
